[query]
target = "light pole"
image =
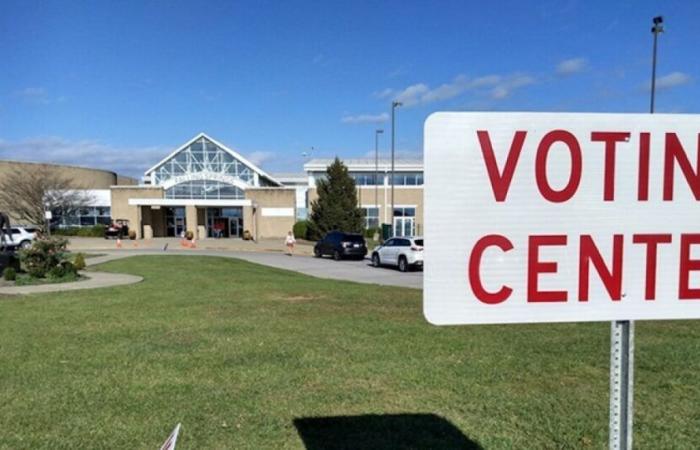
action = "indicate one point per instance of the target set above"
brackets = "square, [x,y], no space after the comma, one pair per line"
[376,169]
[622,337]
[394,105]
[656,29]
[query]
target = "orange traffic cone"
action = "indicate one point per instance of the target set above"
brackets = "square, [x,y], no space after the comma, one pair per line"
[119,243]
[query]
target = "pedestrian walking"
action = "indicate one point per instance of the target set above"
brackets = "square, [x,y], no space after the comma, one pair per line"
[290,241]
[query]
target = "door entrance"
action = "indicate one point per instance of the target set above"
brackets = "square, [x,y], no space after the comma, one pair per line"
[225,222]
[175,221]
[404,226]
[404,221]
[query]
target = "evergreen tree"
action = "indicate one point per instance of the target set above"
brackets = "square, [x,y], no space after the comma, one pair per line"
[336,207]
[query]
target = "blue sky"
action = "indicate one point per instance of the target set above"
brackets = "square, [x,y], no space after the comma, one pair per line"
[118,85]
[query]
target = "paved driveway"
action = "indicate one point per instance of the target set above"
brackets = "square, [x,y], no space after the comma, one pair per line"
[358,271]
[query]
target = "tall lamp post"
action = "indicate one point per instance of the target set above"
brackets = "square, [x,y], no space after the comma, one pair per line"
[622,337]
[394,105]
[656,29]
[376,169]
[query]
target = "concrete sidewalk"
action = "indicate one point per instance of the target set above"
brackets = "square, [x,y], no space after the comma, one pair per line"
[81,244]
[94,280]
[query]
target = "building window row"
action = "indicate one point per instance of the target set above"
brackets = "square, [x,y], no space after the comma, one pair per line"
[367,178]
[378,179]
[204,190]
[83,217]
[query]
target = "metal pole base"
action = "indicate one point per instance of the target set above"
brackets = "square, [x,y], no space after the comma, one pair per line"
[621,384]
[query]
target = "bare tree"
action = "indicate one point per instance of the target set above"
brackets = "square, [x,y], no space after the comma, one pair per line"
[27,193]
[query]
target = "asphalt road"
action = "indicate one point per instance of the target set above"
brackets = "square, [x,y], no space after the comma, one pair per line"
[348,270]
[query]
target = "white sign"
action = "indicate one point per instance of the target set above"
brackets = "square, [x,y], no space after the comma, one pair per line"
[539,217]
[48,215]
[278,212]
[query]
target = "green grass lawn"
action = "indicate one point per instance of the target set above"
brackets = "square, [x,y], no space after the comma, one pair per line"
[251,357]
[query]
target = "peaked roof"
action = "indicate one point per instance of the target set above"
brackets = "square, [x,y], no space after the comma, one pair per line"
[233,153]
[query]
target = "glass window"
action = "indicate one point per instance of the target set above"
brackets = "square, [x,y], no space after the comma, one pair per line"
[366,178]
[371,216]
[408,179]
[203,156]
[404,212]
[389,243]
[419,242]
[86,221]
[83,217]
[204,189]
[231,212]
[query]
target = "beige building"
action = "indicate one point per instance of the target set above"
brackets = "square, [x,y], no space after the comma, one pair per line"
[210,190]
[95,182]
[374,191]
[213,191]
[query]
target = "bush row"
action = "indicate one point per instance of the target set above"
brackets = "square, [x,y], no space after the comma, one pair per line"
[302,230]
[93,231]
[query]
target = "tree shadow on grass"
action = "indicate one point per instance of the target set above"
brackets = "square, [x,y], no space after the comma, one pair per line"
[382,431]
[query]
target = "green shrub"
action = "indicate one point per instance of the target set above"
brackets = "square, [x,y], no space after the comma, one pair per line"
[43,255]
[68,268]
[9,274]
[93,231]
[56,272]
[301,229]
[370,232]
[79,262]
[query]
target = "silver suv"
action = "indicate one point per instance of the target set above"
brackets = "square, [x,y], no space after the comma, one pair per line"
[402,252]
[23,237]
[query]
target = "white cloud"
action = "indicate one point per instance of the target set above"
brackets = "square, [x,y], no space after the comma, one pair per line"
[412,94]
[259,157]
[506,86]
[672,80]
[38,95]
[32,92]
[33,95]
[496,86]
[366,118]
[571,66]
[132,161]
[124,160]
[386,93]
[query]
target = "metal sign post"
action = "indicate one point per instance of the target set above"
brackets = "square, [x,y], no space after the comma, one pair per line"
[621,384]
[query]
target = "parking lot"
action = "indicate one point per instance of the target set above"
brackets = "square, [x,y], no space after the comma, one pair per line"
[349,270]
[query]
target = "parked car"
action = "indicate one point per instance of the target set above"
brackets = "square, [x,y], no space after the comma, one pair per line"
[119,228]
[341,245]
[23,237]
[403,252]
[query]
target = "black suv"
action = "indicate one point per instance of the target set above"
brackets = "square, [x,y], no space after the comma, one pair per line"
[341,245]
